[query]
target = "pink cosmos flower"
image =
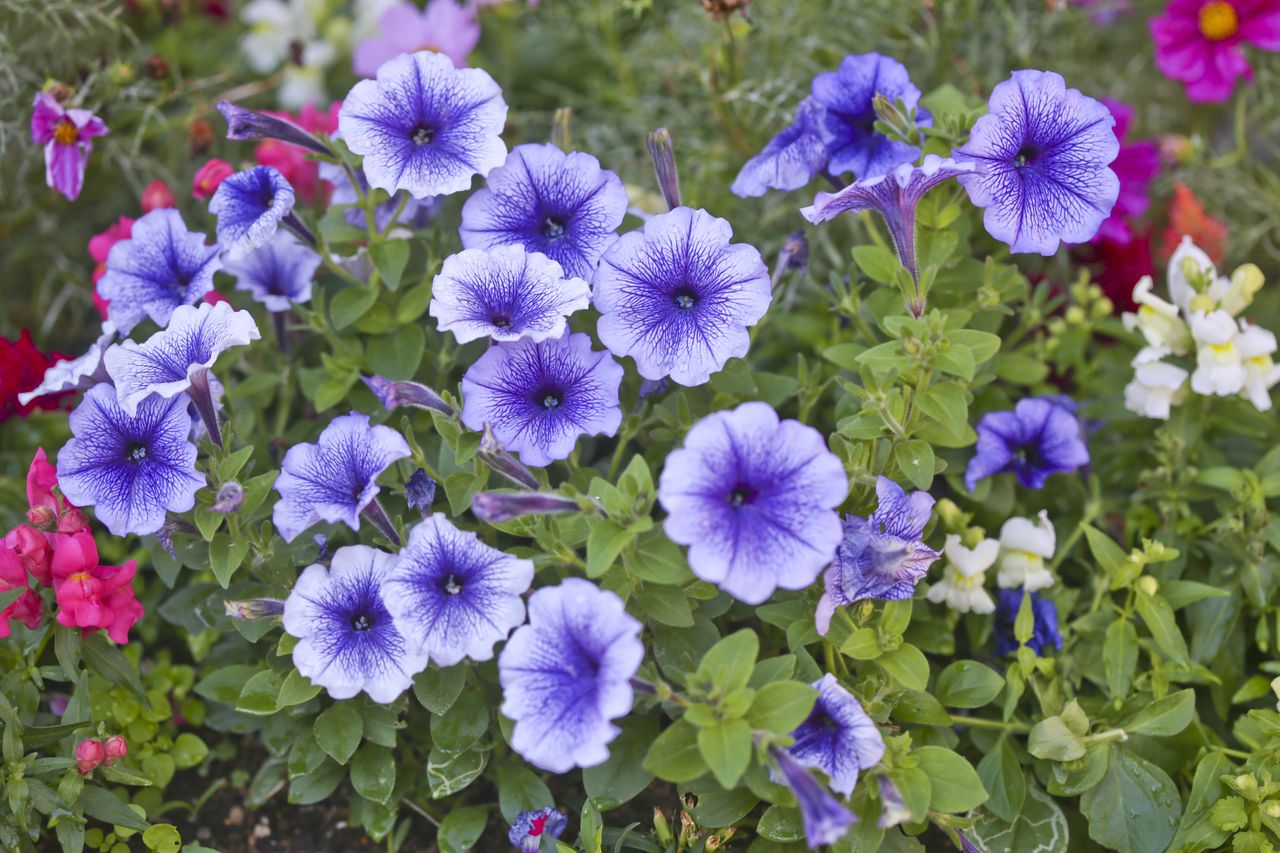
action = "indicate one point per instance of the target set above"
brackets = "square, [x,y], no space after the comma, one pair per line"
[209,177]
[445,26]
[1136,165]
[1198,42]
[67,137]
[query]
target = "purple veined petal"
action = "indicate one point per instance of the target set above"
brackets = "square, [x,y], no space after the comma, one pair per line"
[279,274]
[791,159]
[75,373]
[1040,437]
[838,737]
[250,206]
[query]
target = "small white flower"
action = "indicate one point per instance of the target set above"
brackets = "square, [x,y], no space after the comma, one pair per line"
[287,32]
[1024,546]
[1157,385]
[964,574]
[1219,366]
[1235,294]
[1256,345]
[1157,320]
[1191,272]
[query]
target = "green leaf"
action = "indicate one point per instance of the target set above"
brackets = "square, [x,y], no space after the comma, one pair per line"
[1120,657]
[224,685]
[915,459]
[338,731]
[781,706]
[666,604]
[877,263]
[101,804]
[449,772]
[1002,775]
[460,727]
[781,824]
[104,659]
[604,543]
[296,689]
[945,403]
[259,694]
[188,750]
[396,356]
[983,345]
[316,785]
[373,773]
[437,689]
[1134,808]
[674,755]
[520,790]
[727,750]
[623,775]
[461,828]
[1196,830]
[1160,621]
[863,644]
[350,304]
[230,466]
[163,837]
[845,355]
[1041,827]
[390,258]
[225,556]
[1110,556]
[1052,739]
[1166,716]
[967,684]
[956,785]
[906,665]
[657,559]
[728,664]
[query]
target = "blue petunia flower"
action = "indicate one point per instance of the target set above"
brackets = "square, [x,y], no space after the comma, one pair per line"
[540,397]
[425,126]
[453,596]
[347,639]
[279,274]
[336,479]
[838,738]
[678,297]
[1044,612]
[505,293]
[825,820]
[1038,438]
[791,159]
[250,207]
[1043,152]
[567,673]
[132,469]
[529,828]
[848,96]
[881,557]
[755,500]
[161,266]
[562,205]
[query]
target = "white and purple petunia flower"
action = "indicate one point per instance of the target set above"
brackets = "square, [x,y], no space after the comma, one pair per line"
[74,374]
[839,737]
[825,819]
[250,206]
[347,639]
[453,596]
[425,126]
[562,205]
[789,160]
[161,266]
[540,397]
[1038,438]
[567,674]
[848,96]
[67,137]
[505,293]
[755,500]
[529,828]
[132,469]
[336,479]
[678,297]
[1043,152]
[881,557]
[277,275]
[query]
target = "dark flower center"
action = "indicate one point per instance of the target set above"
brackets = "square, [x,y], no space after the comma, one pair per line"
[1026,154]
[422,135]
[550,400]
[685,298]
[136,452]
[361,622]
[741,495]
[553,227]
[1028,456]
[452,584]
[500,321]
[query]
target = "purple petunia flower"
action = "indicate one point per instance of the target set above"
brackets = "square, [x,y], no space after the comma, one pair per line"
[445,26]
[678,297]
[848,95]
[505,293]
[789,160]
[412,211]
[540,397]
[881,557]
[453,596]
[425,126]
[1044,613]
[567,674]
[754,498]
[73,374]
[529,828]
[1038,438]
[347,639]
[132,469]
[838,738]
[1043,152]
[562,205]
[161,266]
[250,206]
[67,137]
[336,479]
[825,819]
[279,274]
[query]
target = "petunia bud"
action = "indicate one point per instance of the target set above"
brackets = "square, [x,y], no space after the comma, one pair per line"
[893,808]
[497,507]
[393,395]
[246,125]
[664,164]
[209,177]
[492,454]
[420,492]
[825,820]
[230,497]
[157,196]
[253,609]
[89,754]
[116,748]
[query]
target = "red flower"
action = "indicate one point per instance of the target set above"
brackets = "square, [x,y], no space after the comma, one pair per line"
[156,196]
[89,754]
[1121,264]
[22,368]
[33,551]
[28,608]
[100,598]
[209,177]
[1188,217]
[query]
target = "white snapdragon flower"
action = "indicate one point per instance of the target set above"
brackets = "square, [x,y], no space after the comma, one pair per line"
[1256,346]
[1219,365]
[963,576]
[1024,546]
[1235,294]
[1157,320]
[1157,385]
[1189,266]
[288,33]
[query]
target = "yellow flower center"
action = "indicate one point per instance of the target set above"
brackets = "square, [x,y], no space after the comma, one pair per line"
[962,582]
[1223,350]
[1218,20]
[66,133]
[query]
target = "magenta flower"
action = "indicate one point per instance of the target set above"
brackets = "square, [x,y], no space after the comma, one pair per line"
[67,137]
[445,26]
[1198,42]
[1136,166]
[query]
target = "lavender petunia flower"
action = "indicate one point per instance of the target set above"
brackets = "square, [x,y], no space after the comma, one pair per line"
[279,274]
[825,819]
[678,297]
[132,469]
[848,95]
[1044,613]
[412,211]
[347,640]
[445,26]
[161,266]
[425,126]
[73,374]
[1038,438]
[247,125]
[67,137]
[529,828]
[791,159]
[1043,152]
[754,498]
[562,205]
[506,294]
[250,207]
[567,673]
[539,398]
[453,596]
[838,738]
[881,557]
[336,479]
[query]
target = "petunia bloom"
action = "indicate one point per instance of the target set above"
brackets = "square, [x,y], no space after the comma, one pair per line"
[162,266]
[562,205]
[506,294]
[825,819]
[540,397]
[67,137]
[678,297]
[336,479]
[1043,152]
[838,737]
[1199,42]
[529,828]
[277,275]
[132,469]
[347,639]
[754,498]
[1024,546]
[425,126]
[1044,613]
[1038,438]
[791,159]
[445,26]
[567,674]
[73,374]
[961,587]
[848,95]
[453,596]
[250,206]
[881,557]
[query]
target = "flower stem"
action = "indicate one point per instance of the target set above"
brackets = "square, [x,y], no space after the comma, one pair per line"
[294,224]
[395,217]
[980,723]
[378,518]
[201,396]
[281,319]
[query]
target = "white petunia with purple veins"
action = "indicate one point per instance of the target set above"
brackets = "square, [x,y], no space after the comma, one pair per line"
[75,373]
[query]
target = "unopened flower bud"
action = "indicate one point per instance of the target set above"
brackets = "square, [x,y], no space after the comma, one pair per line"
[392,395]
[1148,585]
[663,153]
[492,454]
[157,67]
[497,507]
[116,748]
[253,609]
[42,517]
[209,177]
[156,196]
[1075,315]
[72,520]
[420,492]
[246,125]
[561,123]
[230,497]
[199,136]
[89,754]
[33,551]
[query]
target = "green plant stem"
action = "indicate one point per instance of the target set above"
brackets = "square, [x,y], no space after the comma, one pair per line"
[415,807]
[395,217]
[980,723]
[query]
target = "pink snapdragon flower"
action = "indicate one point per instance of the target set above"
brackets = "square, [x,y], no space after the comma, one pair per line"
[89,754]
[156,196]
[101,597]
[67,137]
[1198,42]
[99,247]
[28,608]
[445,26]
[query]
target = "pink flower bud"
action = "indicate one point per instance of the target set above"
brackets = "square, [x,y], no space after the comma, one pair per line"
[209,177]
[157,195]
[89,754]
[72,521]
[117,748]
